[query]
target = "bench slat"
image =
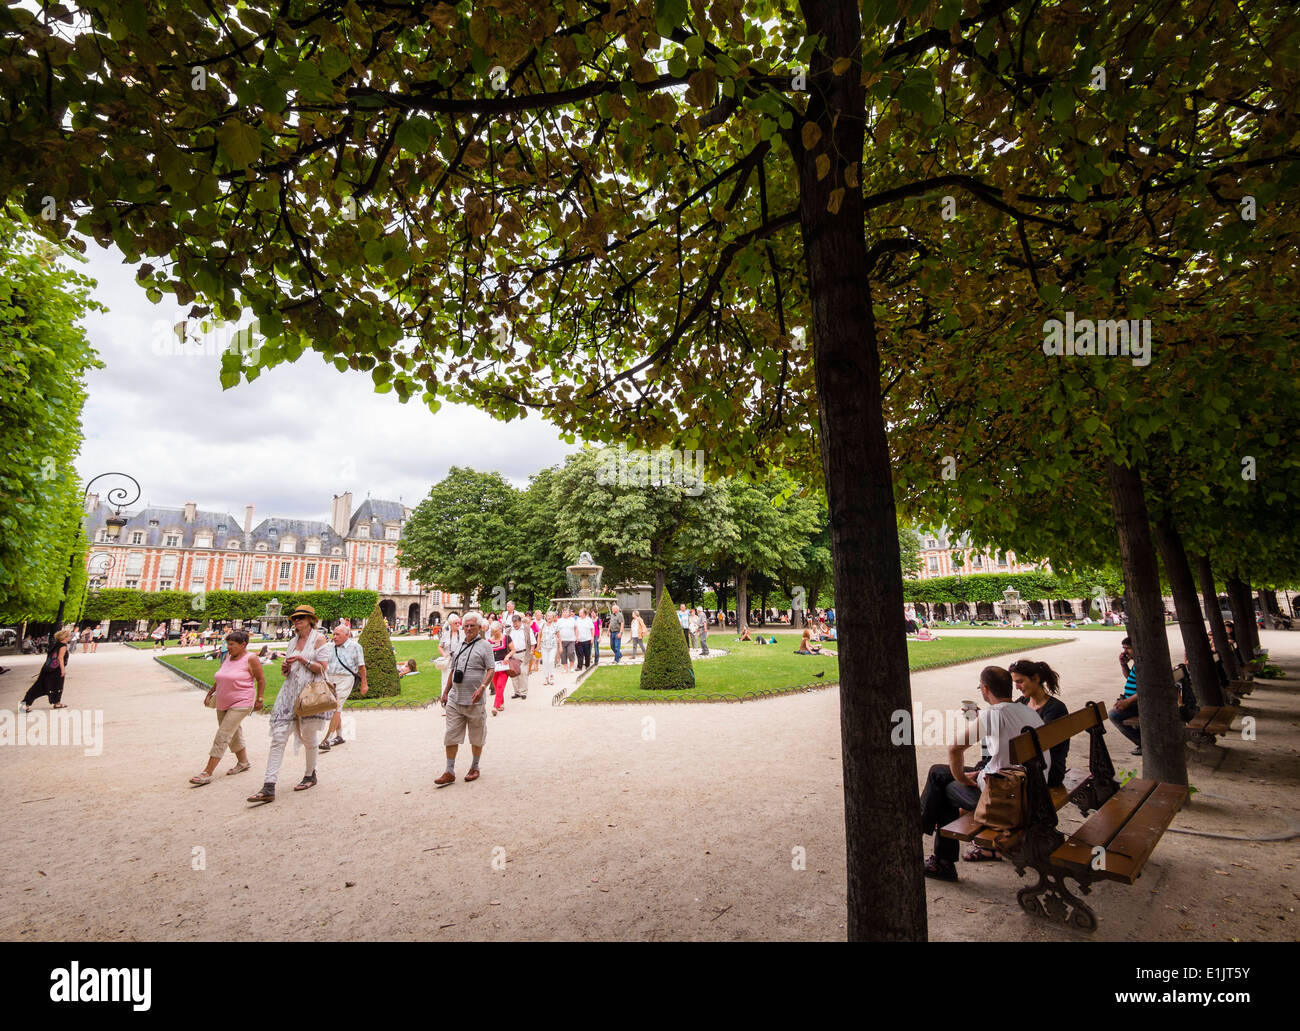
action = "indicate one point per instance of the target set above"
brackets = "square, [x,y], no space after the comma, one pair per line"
[1052,734]
[1133,843]
[1110,819]
[1222,721]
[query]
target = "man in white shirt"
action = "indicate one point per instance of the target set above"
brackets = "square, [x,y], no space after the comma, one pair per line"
[567,628]
[955,786]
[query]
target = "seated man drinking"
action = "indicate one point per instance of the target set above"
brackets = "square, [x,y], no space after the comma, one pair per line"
[955,787]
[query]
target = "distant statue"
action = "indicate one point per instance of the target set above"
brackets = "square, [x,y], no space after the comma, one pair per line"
[585,559]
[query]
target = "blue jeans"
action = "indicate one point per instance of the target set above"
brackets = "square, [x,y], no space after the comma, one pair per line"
[1117,718]
[616,646]
[595,649]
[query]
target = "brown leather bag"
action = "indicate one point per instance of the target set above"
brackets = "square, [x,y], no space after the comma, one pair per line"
[1003,801]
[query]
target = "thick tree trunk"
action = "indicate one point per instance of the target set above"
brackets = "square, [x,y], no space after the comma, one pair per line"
[886,889]
[742,599]
[661,579]
[1164,755]
[1210,599]
[1243,617]
[1264,610]
[1200,660]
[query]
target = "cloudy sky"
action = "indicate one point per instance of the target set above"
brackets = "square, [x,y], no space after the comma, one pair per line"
[286,442]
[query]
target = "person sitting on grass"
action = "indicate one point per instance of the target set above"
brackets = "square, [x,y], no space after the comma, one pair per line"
[952,788]
[808,646]
[744,636]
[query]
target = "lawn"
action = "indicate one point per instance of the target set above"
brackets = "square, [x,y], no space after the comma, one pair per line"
[417,689]
[750,670]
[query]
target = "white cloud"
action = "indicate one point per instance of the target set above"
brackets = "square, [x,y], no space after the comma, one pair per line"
[288,441]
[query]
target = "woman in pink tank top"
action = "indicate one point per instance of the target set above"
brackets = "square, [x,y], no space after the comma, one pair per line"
[240,684]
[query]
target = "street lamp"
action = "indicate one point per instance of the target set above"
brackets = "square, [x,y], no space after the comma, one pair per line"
[118,497]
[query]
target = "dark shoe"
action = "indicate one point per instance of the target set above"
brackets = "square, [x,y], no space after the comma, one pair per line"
[516,696]
[305,783]
[267,794]
[338,740]
[445,779]
[940,869]
[323,746]
[1137,749]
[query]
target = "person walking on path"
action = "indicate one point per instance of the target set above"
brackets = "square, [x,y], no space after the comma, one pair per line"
[549,642]
[502,647]
[567,627]
[616,633]
[240,685]
[450,639]
[703,632]
[521,642]
[582,638]
[463,696]
[684,618]
[347,669]
[596,626]
[638,633]
[306,658]
[159,636]
[50,680]
[87,636]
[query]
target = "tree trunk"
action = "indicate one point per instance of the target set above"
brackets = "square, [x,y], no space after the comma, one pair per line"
[1243,617]
[1264,609]
[886,889]
[660,581]
[1200,660]
[742,600]
[1210,599]
[1164,756]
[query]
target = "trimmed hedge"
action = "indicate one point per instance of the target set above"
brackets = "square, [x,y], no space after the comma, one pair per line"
[127,603]
[667,665]
[381,666]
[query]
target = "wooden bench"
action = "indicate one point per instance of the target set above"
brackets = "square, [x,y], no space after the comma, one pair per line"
[1213,720]
[1113,844]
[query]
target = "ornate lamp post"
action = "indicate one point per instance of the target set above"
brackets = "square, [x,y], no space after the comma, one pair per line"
[117,497]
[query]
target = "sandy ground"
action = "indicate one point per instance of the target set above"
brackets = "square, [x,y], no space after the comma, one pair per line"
[609,822]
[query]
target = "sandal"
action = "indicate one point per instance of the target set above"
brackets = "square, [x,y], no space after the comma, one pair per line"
[238,768]
[267,794]
[305,783]
[202,778]
[979,854]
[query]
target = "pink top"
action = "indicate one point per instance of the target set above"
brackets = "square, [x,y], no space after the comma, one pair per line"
[235,688]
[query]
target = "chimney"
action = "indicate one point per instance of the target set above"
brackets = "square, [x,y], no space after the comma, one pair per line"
[248,519]
[341,513]
[191,511]
[92,503]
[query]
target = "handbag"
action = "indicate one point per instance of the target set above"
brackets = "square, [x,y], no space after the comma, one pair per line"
[316,698]
[210,700]
[513,667]
[1002,803]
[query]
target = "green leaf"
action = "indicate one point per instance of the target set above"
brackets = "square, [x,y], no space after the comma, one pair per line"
[241,143]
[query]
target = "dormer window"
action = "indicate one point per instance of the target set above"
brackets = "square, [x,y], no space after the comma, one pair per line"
[203,540]
[363,530]
[261,545]
[232,543]
[153,522]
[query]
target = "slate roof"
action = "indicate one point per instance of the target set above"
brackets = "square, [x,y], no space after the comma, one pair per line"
[372,509]
[170,520]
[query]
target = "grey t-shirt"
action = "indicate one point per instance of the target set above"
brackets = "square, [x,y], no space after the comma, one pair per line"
[616,622]
[477,662]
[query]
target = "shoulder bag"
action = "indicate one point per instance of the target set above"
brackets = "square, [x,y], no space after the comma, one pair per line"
[1002,803]
[317,697]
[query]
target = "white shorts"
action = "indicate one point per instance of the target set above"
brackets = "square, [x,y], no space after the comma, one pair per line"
[342,686]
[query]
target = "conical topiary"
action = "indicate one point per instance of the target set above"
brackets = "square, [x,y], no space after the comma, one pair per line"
[381,666]
[667,665]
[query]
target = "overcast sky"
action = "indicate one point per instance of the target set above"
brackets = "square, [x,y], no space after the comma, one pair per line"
[164,419]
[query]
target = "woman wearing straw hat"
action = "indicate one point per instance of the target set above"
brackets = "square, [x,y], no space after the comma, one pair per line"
[306,659]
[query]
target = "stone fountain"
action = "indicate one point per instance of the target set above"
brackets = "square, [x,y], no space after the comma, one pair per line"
[584,586]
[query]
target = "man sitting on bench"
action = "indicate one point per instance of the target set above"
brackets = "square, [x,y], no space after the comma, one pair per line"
[952,788]
[1126,708]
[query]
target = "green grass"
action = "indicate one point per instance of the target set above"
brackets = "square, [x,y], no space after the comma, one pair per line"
[420,687]
[750,669]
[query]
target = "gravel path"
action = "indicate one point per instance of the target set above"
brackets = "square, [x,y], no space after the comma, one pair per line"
[609,822]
